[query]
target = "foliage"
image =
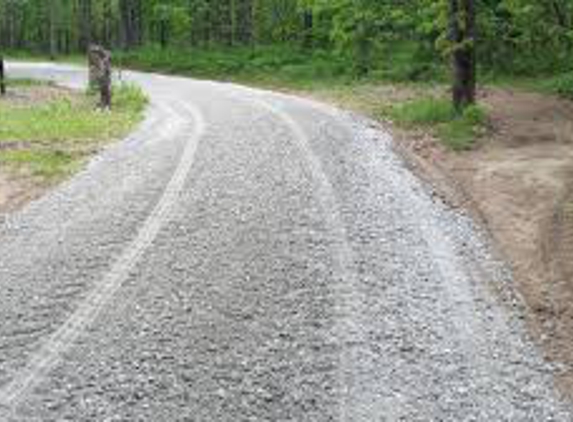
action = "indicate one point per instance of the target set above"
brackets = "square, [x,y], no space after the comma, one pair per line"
[515,36]
[289,66]
[561,85]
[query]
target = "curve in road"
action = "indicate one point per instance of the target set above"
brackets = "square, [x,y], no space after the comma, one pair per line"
[286,267]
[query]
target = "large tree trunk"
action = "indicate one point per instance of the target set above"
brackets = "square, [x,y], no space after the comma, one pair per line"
[462,36]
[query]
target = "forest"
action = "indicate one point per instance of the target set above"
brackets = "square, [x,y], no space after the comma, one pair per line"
[383,39]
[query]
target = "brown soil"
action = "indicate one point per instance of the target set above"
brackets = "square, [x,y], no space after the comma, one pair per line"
[15,192]
[28,96]
[519,182]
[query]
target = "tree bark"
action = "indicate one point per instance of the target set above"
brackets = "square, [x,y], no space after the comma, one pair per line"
[53,29]
[85,25]
[462,37]
[2,80]
[100,74]
[308,24]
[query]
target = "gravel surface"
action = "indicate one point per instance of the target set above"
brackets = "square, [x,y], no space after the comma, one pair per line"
[248,256]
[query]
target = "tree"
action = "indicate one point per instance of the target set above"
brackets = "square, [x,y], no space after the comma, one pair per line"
[2,80]
[463,45]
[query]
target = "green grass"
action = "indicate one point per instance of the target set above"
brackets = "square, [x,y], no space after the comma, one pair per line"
[45,164]
[561,85]
[25,82]
[458,132]
[51,140]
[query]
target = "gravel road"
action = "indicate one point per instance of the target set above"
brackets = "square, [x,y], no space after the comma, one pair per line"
[249,256]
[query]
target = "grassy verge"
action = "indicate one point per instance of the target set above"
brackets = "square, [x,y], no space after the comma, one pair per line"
[457,131]
[50,138]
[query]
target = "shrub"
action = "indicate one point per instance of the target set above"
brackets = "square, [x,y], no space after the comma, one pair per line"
[561,85]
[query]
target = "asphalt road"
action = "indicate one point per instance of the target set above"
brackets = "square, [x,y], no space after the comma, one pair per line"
[249,256]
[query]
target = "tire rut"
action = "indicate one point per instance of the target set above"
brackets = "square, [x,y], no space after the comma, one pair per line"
[63,338]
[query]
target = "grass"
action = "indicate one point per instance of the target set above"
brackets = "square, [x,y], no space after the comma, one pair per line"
[457,131]
[50,140]
[48,165]
[561,85]
[25,82]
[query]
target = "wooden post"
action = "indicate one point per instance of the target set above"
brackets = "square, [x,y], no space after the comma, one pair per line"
[2,77]
[99,61]
[93,68]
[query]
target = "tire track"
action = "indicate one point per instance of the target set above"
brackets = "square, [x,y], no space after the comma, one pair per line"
[50,353]
[346,291]
[36,319]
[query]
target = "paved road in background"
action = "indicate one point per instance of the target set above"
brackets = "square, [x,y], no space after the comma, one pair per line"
[248,256]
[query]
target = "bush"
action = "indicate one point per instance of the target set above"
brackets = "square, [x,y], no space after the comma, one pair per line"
[561,85]
[129,97]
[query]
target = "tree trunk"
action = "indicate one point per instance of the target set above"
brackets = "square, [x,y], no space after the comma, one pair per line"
[462,37]
[163,33]
[125,12]
[53,29]
[85,25]
[2,80]
[100,74]
[308,24]
[107,24]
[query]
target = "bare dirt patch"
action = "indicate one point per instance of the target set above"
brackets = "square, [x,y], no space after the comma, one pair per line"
[17,191]
[29,96]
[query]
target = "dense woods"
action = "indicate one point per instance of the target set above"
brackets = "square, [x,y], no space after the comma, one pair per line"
[360,36]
